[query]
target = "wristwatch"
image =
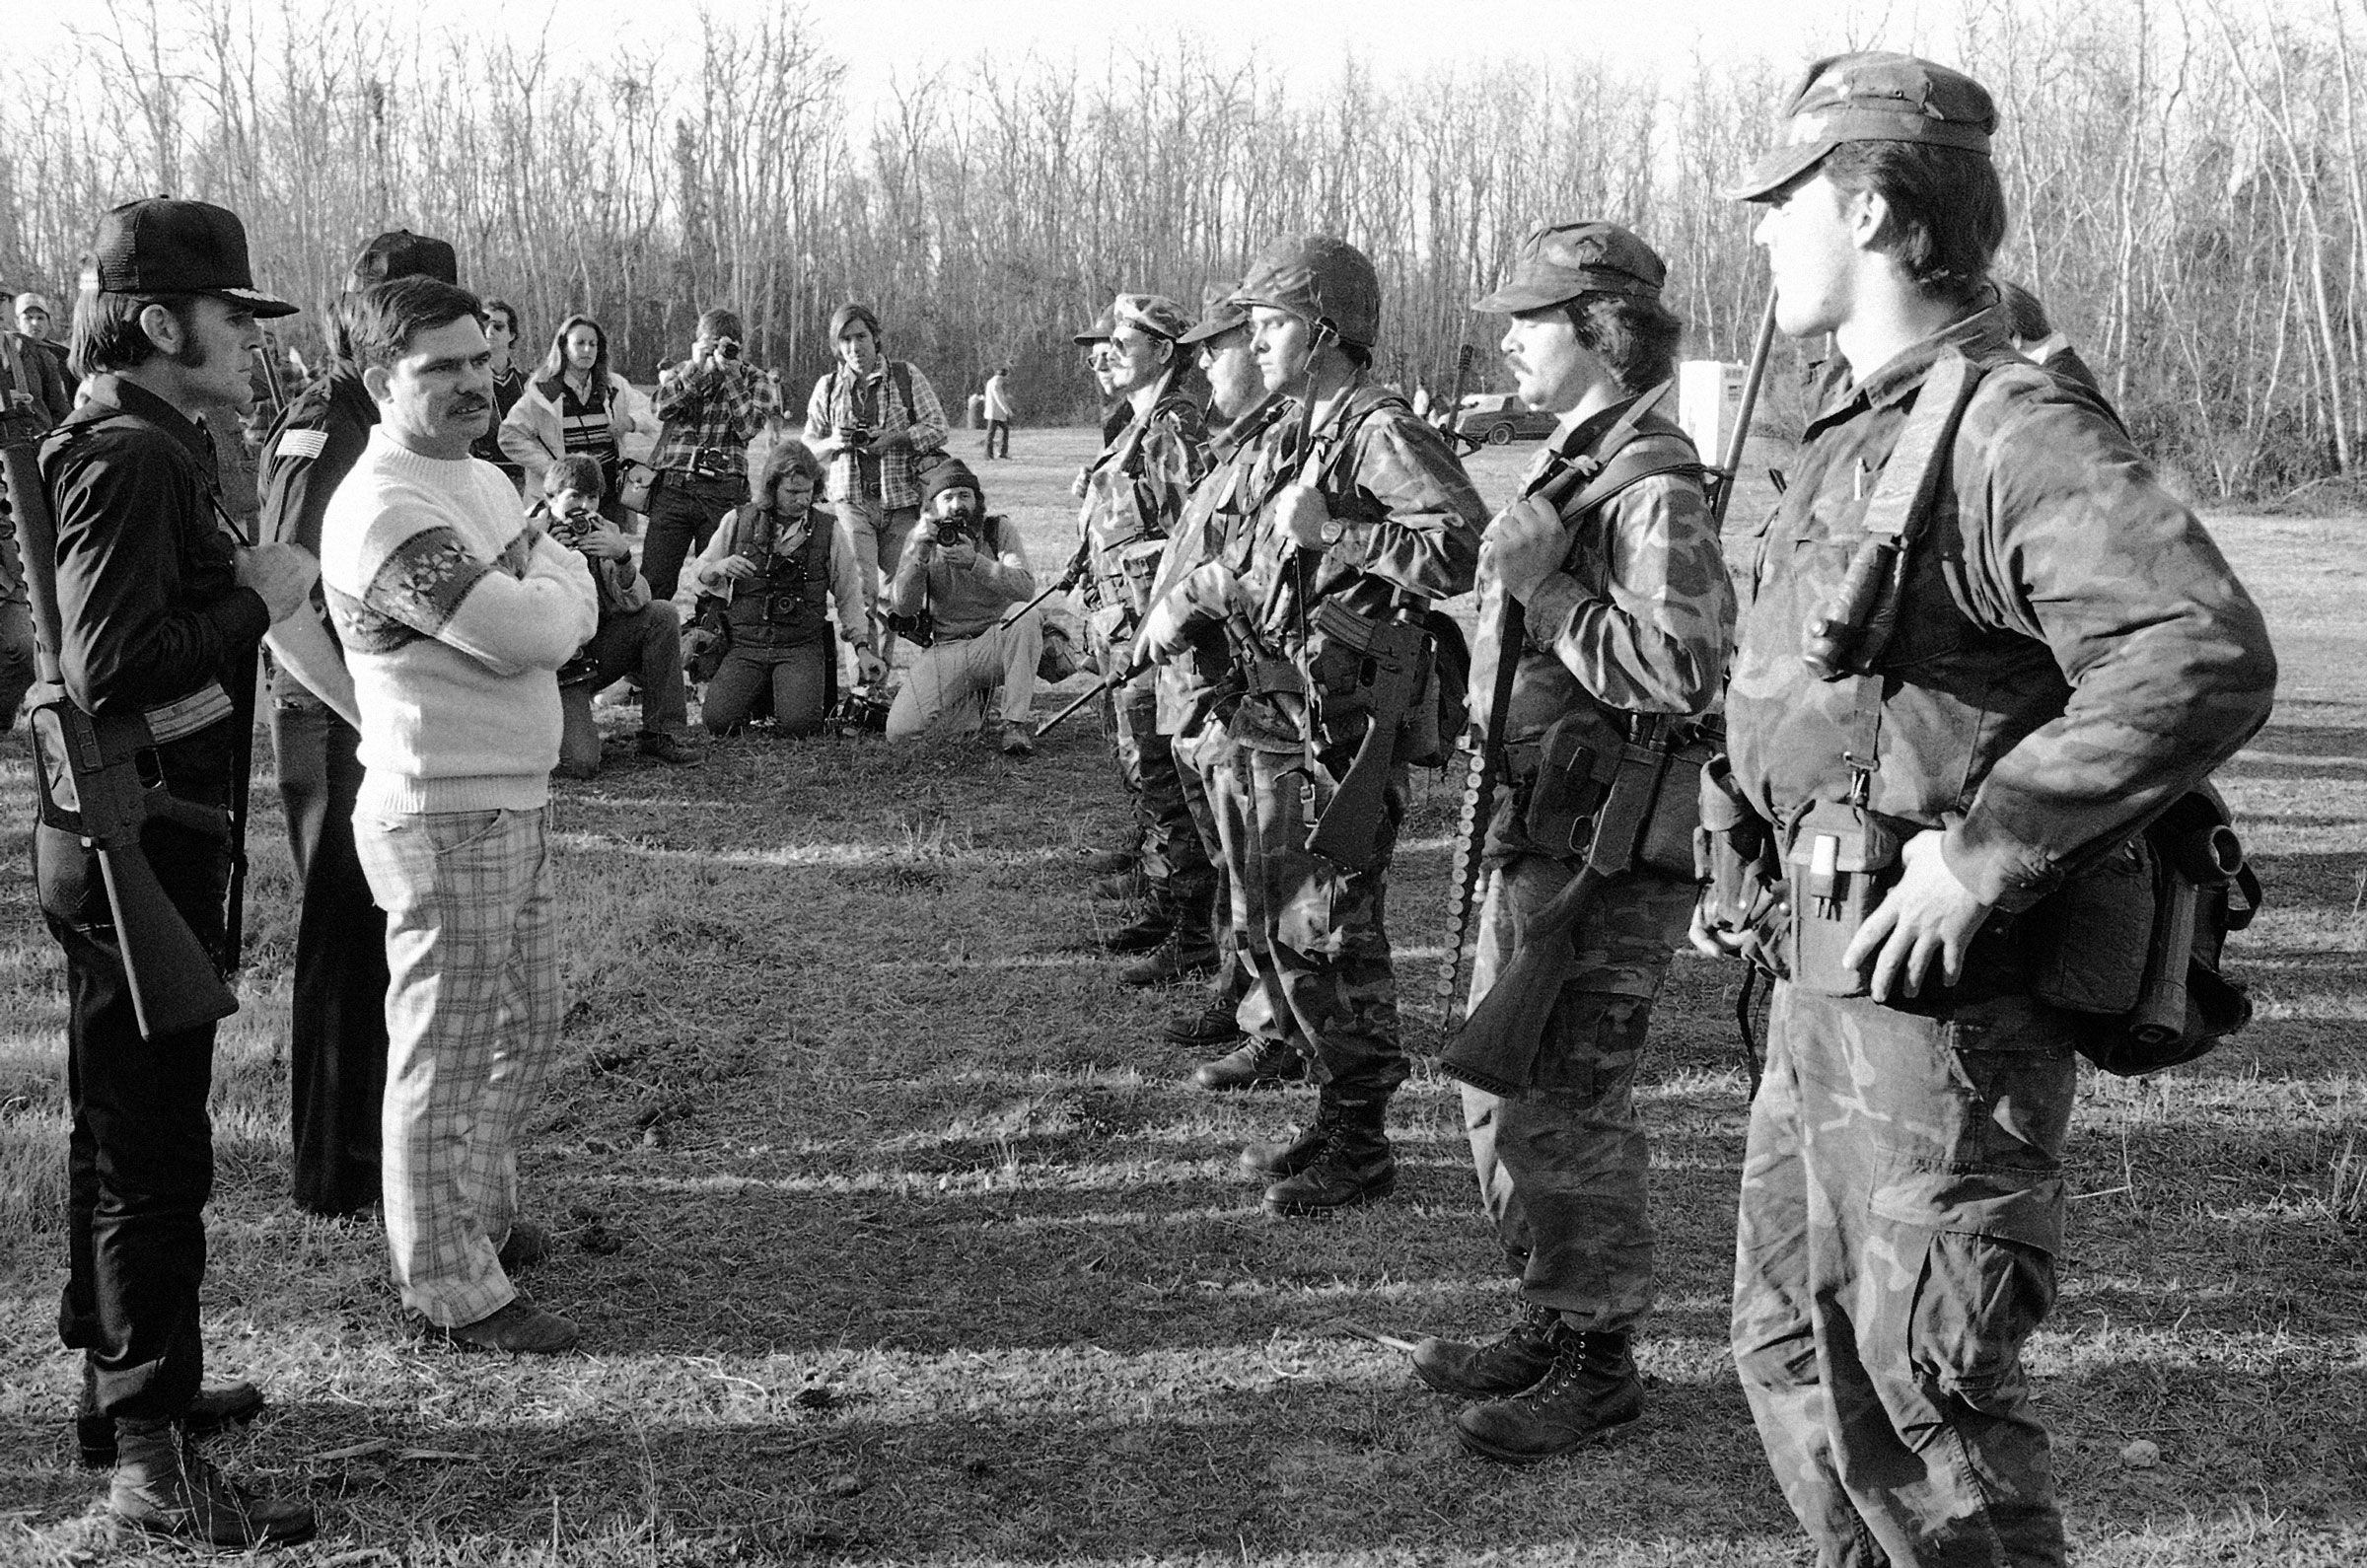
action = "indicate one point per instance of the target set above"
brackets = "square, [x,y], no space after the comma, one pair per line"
[1333,531]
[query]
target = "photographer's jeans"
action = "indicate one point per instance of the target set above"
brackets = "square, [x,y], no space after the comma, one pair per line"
[880,534]
[683,512]
[472,1025]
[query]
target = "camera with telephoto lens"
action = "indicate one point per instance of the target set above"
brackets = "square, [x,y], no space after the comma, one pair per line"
[957,526]
[857,436]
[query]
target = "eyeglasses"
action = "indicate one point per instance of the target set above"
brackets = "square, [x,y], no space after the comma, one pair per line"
[1103,353]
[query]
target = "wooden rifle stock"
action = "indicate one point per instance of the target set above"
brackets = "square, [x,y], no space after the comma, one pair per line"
[1348,834]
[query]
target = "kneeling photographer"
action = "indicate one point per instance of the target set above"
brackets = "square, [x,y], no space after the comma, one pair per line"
[777,564]
[961,572]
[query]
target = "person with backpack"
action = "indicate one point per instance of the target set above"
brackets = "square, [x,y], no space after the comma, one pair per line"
[876,421]
[1363,518]
[1980,649]
[1610,597]
[778,563]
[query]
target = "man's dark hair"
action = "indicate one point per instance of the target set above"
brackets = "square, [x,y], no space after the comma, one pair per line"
[1947,209]
[722,324]
[2024,317]
[579,471]
[509,313]
[108,334]
[382,319]
[1635,336]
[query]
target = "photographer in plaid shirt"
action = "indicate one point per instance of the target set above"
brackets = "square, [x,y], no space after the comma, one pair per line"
[873,420]
[713,404]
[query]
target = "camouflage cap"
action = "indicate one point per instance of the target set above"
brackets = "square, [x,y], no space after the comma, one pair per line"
[1871,97]
[1098,332]
[1561,261]
[1220,312]
[1154,314]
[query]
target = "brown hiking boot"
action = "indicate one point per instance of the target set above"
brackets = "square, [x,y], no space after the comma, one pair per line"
[1350,1163]
[1593,1390]
[163,1486]
[1516,1359]
[216,1406]
[521,1328]
[1259,1063]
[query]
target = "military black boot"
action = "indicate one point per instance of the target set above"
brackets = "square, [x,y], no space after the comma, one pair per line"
[1593,1390]
[1145,931]
[1181,956]
[1272,1158]
[1212,1023]
[1352,1162]
[1516,1359]
[1257,1063]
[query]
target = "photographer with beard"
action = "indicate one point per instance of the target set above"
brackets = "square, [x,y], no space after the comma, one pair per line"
[962,570]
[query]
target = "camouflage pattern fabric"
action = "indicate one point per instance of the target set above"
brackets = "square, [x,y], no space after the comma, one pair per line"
[1410,524]
[2072,651]
[1563,1169]
[1316,940]
[1902,1211]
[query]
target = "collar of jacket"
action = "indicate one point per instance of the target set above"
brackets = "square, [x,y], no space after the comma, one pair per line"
[1978,335]
[112,395]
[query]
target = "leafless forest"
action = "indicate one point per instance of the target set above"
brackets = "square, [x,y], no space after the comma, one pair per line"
[2184,173]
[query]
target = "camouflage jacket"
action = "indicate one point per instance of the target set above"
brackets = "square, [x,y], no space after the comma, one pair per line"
[1216,525]
[2072,651]
[1638,619]
[1410,525]
[1135,492]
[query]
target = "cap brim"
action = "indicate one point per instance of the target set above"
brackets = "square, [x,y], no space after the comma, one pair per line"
[264,307]
[1514,298]
[1779,169]
[1214,327]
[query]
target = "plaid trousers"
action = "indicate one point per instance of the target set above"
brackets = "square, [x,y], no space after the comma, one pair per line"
[473,1026]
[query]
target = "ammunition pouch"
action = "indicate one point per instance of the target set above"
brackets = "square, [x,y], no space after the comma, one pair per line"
[1841,861]
[1571,786]
[2132,944]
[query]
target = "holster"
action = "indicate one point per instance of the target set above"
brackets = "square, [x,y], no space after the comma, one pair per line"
[1739,871]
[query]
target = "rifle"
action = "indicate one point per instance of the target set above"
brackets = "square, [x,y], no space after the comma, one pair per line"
[1495,660]
[99,779]
[1722,485]
[1060,585]
[1109,682]
[1395,666]
[1465,354]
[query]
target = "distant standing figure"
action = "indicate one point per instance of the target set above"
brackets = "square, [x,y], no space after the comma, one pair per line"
[509,384]
[574,404]
[998,413]
[714,403]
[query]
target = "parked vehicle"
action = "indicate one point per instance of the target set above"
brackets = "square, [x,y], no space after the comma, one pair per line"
[1497,419]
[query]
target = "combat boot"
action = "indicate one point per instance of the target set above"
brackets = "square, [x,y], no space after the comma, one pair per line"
[1124,886]
[1214,1024]
[1516,1359]
[1351,1163]
[1181,956]
[163,1486]
[1257,1063]
[1593,1390]
[1145,931]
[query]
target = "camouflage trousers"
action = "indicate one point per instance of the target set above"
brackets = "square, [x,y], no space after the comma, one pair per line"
[1902,1210]
[1171,855]
[1563,1170]
[1200,762]
[1316,934]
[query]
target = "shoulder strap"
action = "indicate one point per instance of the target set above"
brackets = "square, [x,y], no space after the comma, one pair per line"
[1363,402]
[1902,497]
[900,374]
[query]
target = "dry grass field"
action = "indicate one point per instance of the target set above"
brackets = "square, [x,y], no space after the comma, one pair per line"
[899,1237]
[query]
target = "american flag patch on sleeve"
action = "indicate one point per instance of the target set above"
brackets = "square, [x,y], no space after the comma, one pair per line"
[306,444]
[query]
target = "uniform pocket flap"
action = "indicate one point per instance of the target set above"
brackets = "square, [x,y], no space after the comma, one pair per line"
[1976,1204]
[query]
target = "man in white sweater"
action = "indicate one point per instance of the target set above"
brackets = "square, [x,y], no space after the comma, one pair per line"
[455,615]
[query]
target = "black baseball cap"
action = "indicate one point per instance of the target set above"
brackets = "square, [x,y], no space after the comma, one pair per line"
[400,253]
[161,245]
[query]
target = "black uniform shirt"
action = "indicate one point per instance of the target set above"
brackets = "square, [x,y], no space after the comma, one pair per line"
[148,596]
